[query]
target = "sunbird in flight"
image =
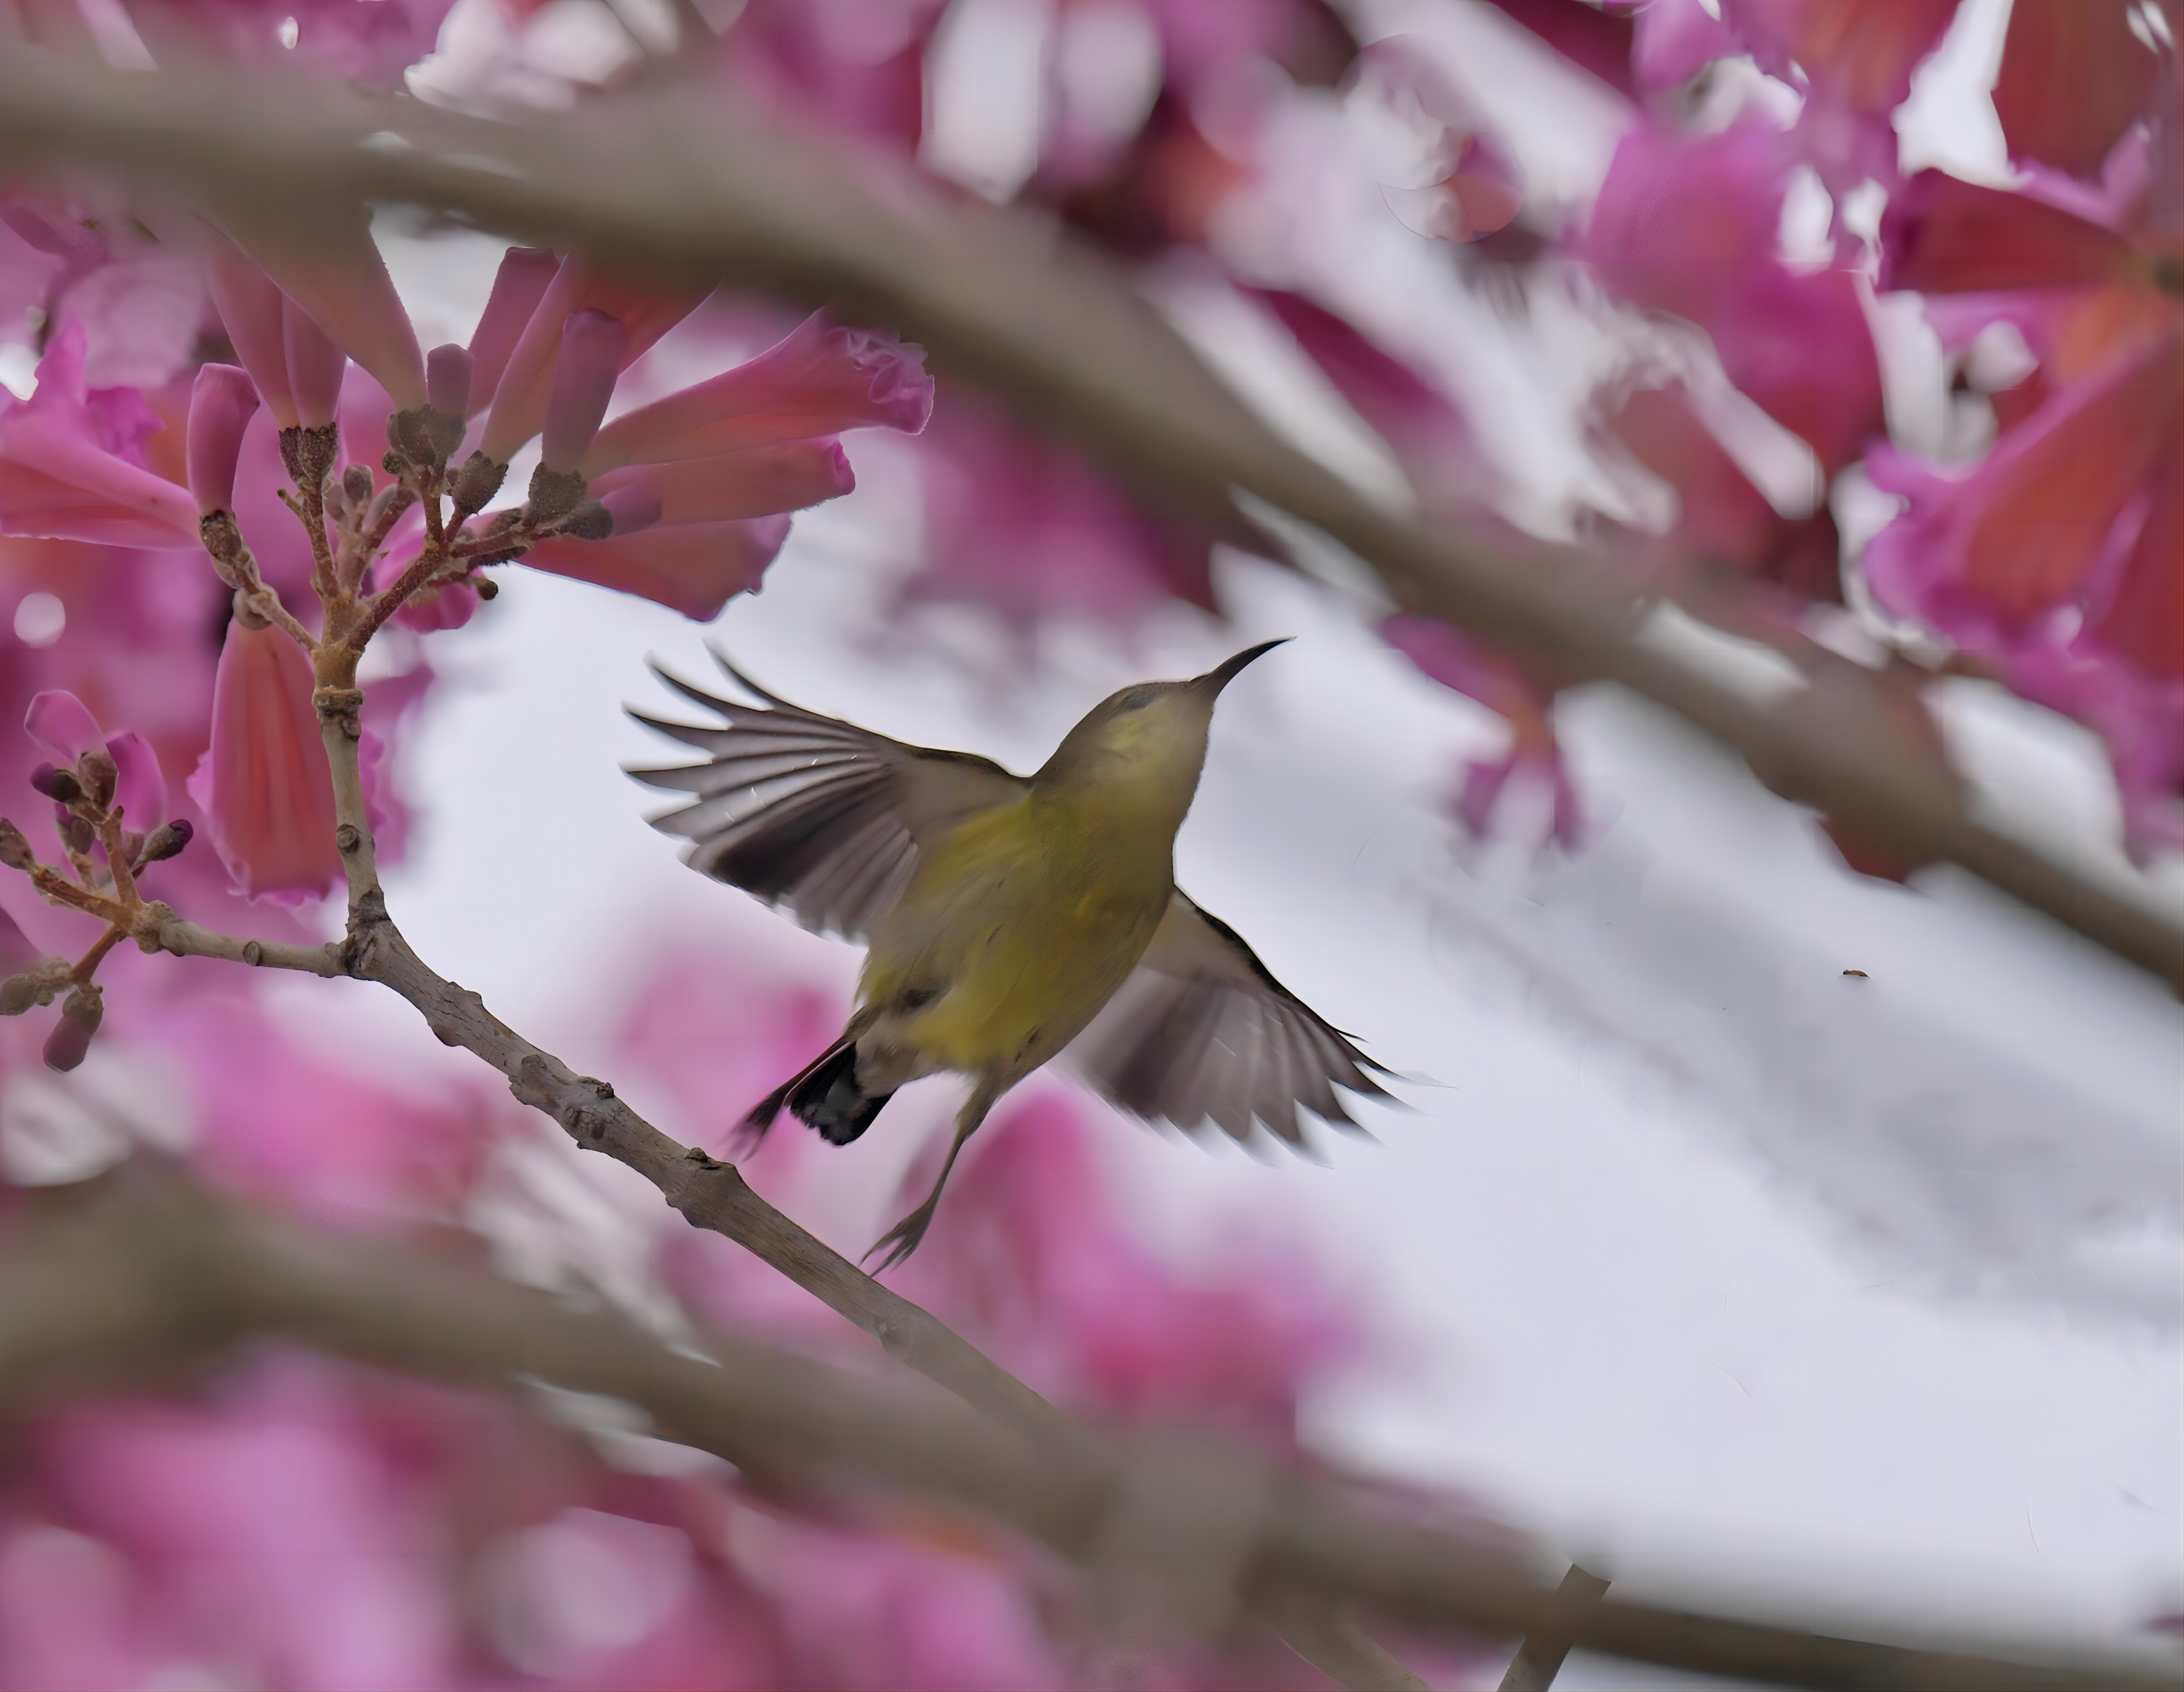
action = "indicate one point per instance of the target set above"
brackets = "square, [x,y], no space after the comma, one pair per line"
[1006,917]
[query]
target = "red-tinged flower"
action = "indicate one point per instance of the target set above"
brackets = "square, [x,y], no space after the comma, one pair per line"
[264,784]
[222,401]
[823,379]
[1522,695]
[1688,225]
[71,462]
[2075,76]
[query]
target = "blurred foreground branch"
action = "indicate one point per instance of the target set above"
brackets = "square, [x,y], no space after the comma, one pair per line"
[114,1284]
[1003,299]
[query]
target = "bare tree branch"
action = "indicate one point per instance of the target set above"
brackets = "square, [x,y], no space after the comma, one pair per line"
[1004,299]
[1539,1658]
[166,1277]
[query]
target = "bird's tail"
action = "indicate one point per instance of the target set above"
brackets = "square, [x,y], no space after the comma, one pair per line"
[824,1094]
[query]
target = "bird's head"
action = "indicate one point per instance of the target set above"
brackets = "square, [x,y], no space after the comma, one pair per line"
[1152,735]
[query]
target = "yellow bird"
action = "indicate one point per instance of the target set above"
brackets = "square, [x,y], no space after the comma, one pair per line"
[1006,917]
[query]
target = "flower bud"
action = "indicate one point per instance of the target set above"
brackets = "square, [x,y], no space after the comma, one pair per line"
[447,380]
[592,343]
[486,587]
[356,485]
[476,482]
[222,401]
[410,435]
[81,1012]
[97,770]
[554,494]
[223,540]
[14,849]
[75,833]
[19,993]
[166,841]
[57,784]
[589,521]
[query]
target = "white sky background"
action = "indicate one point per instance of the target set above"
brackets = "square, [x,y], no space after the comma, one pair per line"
[1710,1261]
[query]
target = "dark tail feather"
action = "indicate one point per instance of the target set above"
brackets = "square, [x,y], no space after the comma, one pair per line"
[752,1129]
[826,1096]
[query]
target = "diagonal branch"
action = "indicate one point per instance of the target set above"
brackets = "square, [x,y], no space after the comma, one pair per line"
[999,298]
[169,1276]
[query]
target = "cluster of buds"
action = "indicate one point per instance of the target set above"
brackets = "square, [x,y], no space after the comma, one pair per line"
[92,793]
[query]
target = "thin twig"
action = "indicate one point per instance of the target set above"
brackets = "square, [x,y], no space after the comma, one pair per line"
[1539,1658]
[999,298]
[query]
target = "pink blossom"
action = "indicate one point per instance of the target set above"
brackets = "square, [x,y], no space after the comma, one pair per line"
[1686,224]
[222,400]
[1442,171]
[448,373]
[1674,40]
[520,397]
[694,568]
[64,726]
[755,481]
[518,286]
[71,462]
[329,267]
[315,362]
[584,374]
[820,379]
[1522,696]
[263,785]
[253,313]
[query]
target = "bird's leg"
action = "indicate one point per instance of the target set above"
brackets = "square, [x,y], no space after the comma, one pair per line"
[904,1237]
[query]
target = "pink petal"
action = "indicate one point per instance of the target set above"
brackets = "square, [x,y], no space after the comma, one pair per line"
[519,400]
[142,787]
[695,568]
[1674,40]
[222,400]
[263,785]
[756,481]
[1481,195]
[517,287]
[316,363]
[819,381]
[584,374]
[62,724]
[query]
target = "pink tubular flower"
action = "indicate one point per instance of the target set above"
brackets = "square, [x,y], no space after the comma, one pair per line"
[71,462]
[448,372]
[520,397]
[222,400]
[518,286]
[263,785]
[330,267]
[694,568]
[253,313]
[820,379]
[584,373]
[316,363]
[755,482]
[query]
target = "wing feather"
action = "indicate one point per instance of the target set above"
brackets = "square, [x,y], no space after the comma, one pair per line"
[819,817]
[1201,1030]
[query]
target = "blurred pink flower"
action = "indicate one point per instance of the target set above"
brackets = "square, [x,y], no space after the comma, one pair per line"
[1523,697]
[72,462]
[263,785]
[1687,224]
[1441,168]
[222,400]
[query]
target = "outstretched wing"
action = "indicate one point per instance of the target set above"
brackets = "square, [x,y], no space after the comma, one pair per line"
[1201,1029]
[820,818]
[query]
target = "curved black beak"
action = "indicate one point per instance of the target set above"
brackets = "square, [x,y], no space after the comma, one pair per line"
[1221,674]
